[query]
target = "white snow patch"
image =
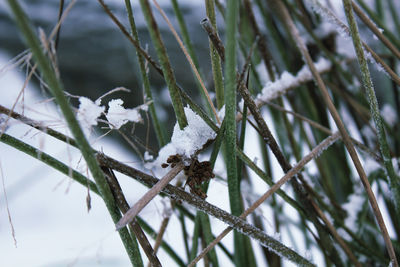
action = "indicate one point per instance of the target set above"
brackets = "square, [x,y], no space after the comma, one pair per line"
[88,112]
[370,165]
[117,115]
[287,81]
[353,206]
[187,141]
[389,115]
[263,73]
[368,133]
[221,113]
[147,156]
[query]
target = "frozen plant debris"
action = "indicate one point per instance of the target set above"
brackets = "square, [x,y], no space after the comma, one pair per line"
[186,142]
[287,81]
[88,112]
[117,115]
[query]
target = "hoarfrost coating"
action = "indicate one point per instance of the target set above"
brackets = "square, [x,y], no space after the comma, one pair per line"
[287,81]
[187,141]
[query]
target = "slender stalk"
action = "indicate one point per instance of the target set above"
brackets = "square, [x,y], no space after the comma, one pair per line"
[230,136]
[379,23]
[136,230]
[142,202]
[215,60]
[189,46]
[345,136]
[374,107]
[167,248]
[145,79]
[57,91]
[188,57]
[374,29]
[340,241]
[165,64]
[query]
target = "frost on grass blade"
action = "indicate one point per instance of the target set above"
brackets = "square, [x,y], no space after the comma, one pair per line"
[185,142]
[287,81]
[117,115]
[88,112]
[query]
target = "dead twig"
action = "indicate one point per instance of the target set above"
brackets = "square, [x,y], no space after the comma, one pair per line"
[154,191]
[133,225]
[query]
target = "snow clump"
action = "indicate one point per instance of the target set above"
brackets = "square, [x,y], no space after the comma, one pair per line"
[117,115]
[88,112]
[185,142]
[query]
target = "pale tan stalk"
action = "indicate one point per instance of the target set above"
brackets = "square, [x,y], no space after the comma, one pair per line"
[154,191]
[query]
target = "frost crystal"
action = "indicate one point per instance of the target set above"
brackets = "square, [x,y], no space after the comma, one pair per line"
[187,141]
[88,112]
[117,115]
[287,81]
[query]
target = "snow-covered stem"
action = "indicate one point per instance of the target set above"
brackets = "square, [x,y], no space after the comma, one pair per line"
[296,169]
[286,18]
[57,91]
[200,204]
[374,109]
[145,79]
[165,63]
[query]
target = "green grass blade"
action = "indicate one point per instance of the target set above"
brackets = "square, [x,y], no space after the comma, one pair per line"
[57,91]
